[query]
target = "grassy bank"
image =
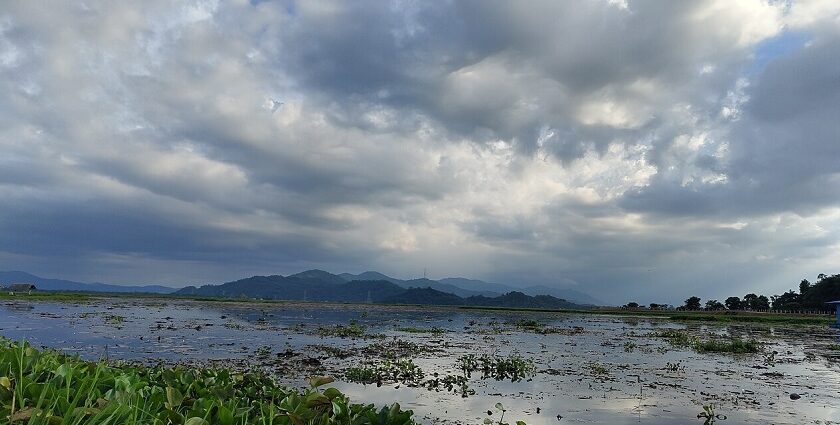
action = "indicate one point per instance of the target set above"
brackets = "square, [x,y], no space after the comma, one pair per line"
[724,316]
[703,316]
[45,296]
[46,387]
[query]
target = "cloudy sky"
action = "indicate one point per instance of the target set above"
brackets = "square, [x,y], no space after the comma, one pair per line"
[645,150]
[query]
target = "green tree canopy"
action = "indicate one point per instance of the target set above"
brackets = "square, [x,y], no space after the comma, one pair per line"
[734,303]
[692,303]
[714,305]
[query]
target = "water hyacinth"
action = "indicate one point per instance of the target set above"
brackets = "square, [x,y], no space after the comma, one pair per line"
[46,387]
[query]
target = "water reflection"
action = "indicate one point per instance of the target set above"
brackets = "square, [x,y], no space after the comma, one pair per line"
[639,379]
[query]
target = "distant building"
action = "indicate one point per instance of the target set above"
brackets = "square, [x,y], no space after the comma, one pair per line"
[836,305]
[21,287]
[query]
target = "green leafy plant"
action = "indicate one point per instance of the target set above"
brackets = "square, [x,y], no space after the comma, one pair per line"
[513,367]
[49,388]
[709,415]
[500,408]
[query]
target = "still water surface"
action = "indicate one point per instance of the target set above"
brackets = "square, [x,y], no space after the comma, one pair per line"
[602,370]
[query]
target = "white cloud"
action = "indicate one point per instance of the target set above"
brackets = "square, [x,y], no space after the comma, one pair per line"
[589,142]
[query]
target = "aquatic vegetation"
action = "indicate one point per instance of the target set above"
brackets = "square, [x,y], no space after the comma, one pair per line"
[453,383]
[714,344]
[597,368]
[332,351]
[415,330]
[513,367]
[674,367]
[263,351]
[46,387]
[353,330]
[529,324]
[675,337]
[709,415]
[629,346]
[500,408]
[394,349]
[389,371]
[730,345]
[233,325]
[114,319]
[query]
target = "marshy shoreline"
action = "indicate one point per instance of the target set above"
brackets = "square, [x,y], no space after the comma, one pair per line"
[453,364]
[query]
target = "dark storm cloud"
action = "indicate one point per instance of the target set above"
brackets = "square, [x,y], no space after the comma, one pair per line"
[608,144]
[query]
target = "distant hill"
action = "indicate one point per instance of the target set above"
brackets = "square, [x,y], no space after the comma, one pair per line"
[420,283]
[369,276]
[295,288]
[565,293]
[521,300]
[477,285]
[499,288]
[68,285]
[318,285]
[321,275]
[425,296]
[315,285]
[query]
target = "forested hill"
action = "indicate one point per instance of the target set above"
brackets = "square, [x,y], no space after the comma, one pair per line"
[316,286]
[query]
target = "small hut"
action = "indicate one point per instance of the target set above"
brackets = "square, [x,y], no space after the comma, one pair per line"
[21,287]
[836,305]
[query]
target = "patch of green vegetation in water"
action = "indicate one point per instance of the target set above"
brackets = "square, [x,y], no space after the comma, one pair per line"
[414,330]
[680,338]
[45,387]
[395,349]
[353,330]
[513,367]
[389,371]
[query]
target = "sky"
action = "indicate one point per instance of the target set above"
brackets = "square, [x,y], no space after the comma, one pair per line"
[633,150]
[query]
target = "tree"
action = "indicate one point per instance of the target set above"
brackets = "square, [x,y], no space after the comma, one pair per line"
[654,306]
[749,301]
[804,286]
[692,303]
[632,305]
[789,300]
[827,288]
[714,305]
[734,303]
[761,303]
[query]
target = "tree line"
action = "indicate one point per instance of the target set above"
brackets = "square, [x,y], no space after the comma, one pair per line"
[811,296]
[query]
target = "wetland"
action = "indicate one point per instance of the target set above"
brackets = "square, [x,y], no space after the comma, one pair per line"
[452,365]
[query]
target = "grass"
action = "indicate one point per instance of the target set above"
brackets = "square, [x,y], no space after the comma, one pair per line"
[49,388]
[719,316]
[45,296]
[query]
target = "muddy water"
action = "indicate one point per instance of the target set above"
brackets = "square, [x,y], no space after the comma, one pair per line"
[594,369]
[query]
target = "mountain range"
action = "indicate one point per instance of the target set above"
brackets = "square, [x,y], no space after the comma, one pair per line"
[44,284]
[461,287]
[317,285]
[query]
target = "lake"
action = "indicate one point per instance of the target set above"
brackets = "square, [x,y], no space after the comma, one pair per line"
[588,368]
